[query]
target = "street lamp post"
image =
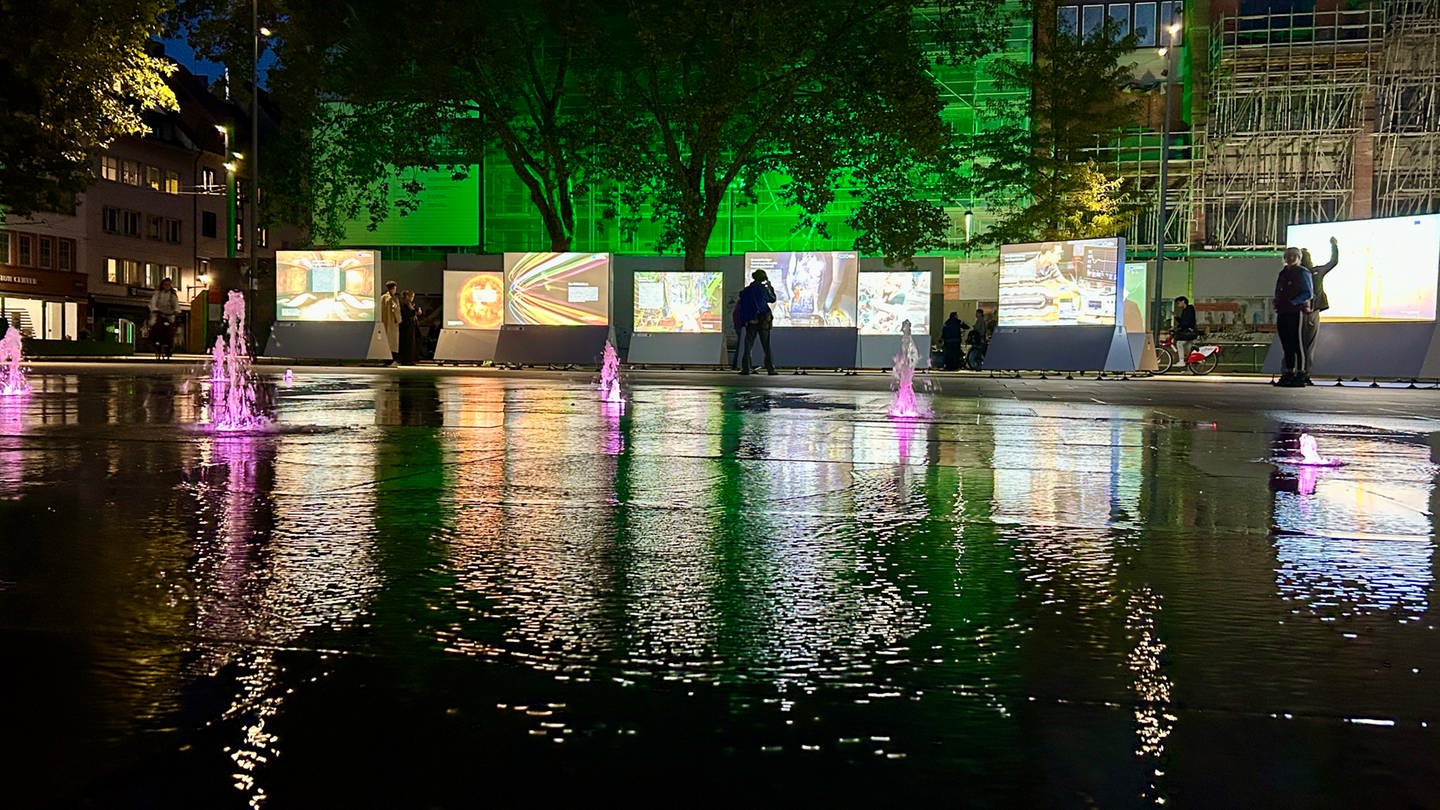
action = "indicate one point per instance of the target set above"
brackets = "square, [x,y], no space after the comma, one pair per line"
[1168,52]
[254,235]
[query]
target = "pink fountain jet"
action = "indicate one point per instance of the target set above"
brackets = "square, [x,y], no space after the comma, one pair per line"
[12,376]
[904,403]
[232,385]
[610,376]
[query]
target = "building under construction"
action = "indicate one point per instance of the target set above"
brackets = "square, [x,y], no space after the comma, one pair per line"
[1293,112]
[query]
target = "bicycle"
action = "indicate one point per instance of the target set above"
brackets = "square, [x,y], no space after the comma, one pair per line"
[1201,360]
[162,337]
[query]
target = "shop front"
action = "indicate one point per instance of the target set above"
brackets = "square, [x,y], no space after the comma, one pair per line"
[46,304]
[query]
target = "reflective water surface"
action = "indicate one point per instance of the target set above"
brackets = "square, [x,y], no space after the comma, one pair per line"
[437,591]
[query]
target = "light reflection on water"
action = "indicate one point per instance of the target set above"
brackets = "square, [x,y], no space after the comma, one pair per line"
[998,590]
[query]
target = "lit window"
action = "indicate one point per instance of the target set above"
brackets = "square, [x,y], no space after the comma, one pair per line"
[110,168]
[112,271]
[152,177]
[172,182]
[130,172]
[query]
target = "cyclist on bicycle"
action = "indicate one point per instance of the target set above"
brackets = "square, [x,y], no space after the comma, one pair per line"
[164,310]
[1184,330]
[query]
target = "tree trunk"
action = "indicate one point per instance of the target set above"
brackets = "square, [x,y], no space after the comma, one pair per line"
[698,229]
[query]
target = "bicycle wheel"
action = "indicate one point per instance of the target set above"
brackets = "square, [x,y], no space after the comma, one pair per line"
[975,359]
[1164,360]
[1206,365]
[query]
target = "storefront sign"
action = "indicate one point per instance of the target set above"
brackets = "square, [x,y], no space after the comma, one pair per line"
[42,282]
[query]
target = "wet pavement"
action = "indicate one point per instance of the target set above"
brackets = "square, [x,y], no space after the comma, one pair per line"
[429,588]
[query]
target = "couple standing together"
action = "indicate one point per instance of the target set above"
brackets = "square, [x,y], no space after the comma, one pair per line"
[752,318]
[400,318]
[1299,300]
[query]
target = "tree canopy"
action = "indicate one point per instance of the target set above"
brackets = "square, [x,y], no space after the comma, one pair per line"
[712,94]
[1036,164]
[73,78]
[665,105]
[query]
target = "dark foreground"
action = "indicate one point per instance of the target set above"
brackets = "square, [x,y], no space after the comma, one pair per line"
[429,589]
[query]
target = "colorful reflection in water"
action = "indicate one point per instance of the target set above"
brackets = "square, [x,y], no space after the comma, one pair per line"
[1357,539]
[409,575]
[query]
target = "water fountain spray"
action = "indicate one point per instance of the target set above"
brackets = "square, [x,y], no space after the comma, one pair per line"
[232,384]
[904,403]
[12,376]
[610,376]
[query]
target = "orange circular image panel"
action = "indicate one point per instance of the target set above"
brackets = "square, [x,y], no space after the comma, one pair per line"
[479,301]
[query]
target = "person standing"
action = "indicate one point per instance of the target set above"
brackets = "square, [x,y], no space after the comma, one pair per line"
[1184,331]
[953,335]
[1311,328]
[1294,292]
[754,309]
[390,320]
[409,329]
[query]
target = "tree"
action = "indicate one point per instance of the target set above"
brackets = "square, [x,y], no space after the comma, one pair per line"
[388,89]
[1036,166]
[73,78]
[707,95]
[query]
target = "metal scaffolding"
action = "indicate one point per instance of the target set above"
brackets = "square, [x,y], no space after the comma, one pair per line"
[1407,111]
[1288,131]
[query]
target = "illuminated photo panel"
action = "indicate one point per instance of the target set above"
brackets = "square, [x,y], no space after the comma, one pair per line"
[678,302]
[813,288]
[557,289]
[889,299]
[1137,299]
[474,299]
[1072,283]
[1388,267]
[325,285]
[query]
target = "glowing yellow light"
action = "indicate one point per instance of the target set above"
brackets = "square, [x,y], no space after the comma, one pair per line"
[230,167]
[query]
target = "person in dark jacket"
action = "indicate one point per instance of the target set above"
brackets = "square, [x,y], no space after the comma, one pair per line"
[1294,293]
[953,335]
[1185,331]
[409,329]
[753,310]
[1311,328]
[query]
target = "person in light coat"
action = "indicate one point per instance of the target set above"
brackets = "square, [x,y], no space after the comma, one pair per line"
[390,320]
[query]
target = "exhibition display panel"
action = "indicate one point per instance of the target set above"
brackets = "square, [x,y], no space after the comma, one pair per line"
[677,318]
[325,305]
[886,299]
[1061,308]
[556,308]
[471,313]
[815,309]
[1382,295]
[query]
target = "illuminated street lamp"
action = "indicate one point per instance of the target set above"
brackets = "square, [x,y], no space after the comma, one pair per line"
[1167,52]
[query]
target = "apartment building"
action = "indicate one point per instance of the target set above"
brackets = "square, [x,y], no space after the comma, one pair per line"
[159,209]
